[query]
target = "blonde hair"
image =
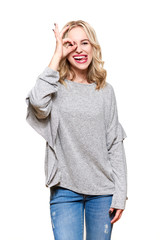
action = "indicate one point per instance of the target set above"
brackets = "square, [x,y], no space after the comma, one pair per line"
[96,73]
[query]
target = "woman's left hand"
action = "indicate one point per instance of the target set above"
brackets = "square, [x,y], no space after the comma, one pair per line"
[117,215]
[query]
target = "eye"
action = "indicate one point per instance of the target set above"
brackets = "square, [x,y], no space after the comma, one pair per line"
[85,42]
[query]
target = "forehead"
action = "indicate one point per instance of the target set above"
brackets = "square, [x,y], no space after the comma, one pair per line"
[77,34]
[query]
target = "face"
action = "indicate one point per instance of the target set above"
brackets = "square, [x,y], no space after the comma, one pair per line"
[84,48]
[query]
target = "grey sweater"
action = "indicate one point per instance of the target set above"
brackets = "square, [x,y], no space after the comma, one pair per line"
[84,138]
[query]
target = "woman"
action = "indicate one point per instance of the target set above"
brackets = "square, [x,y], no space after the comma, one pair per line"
[75,110]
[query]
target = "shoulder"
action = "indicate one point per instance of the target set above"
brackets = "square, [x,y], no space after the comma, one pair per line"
[108,91]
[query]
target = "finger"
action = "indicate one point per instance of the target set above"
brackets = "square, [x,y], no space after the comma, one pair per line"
[120,214]
[69,50]
[65,40]
[63,31]
[111,210]
[72,48]
[54,31]
[116,217]
[57,29]
[55,34]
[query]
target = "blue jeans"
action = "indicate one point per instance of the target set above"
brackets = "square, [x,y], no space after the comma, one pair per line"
[67,215]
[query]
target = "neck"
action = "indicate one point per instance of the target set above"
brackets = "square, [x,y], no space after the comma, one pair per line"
[81,75]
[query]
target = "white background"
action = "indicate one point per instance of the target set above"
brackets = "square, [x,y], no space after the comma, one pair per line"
[128,32]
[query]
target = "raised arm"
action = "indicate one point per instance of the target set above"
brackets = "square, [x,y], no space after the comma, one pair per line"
[40,97]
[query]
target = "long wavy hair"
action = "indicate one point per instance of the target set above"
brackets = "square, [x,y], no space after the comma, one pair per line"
[95,72]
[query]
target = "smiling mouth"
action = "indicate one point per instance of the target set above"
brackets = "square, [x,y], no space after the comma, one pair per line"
[81,59]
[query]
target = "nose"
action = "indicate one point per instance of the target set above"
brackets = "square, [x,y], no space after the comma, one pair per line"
[78,49]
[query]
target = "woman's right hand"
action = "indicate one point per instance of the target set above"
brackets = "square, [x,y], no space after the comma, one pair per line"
[62,51]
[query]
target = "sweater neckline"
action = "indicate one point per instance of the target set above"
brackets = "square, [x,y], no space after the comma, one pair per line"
[79,84]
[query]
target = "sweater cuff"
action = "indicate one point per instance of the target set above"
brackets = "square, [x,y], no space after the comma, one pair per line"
[51,71]
[118,203]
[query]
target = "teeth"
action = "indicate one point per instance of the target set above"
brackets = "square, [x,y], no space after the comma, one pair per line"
[79,57]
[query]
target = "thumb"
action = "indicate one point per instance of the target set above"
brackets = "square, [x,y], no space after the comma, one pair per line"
[111,210]
[68,50]
[71,49]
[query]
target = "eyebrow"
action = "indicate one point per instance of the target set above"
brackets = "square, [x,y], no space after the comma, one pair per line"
[83,40]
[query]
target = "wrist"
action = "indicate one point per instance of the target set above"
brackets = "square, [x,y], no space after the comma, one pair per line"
[54,63]
[56,57]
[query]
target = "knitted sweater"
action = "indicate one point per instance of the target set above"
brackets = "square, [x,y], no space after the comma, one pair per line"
[84,138]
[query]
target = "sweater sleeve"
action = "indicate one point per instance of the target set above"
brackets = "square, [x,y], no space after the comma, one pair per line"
[116,152]
[40,96]
[39,105]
